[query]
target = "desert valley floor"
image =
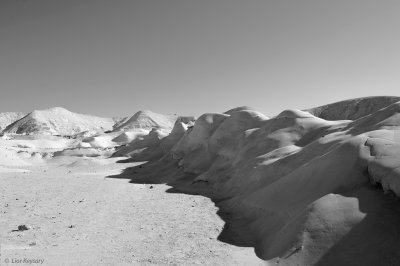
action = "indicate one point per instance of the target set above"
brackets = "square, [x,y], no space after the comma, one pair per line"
[79,216]
[305,187]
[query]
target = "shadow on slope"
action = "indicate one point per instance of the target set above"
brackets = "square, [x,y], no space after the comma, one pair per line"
[167,172]
[295,187]
[375,239]
[370,234]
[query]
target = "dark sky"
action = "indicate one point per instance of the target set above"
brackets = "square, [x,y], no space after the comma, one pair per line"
[113,58]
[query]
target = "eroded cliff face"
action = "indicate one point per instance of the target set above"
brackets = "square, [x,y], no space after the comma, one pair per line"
[299,188]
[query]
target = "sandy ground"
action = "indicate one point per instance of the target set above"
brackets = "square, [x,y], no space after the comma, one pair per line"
[78,216]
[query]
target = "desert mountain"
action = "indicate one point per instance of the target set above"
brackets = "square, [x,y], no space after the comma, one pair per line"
[146,120]
[58,121]
[8,118]
[300,188]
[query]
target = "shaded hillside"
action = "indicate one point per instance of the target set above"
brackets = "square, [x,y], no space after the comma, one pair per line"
[300,189]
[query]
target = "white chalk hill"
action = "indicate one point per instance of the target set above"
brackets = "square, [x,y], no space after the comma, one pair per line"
[58,121]
[299,187]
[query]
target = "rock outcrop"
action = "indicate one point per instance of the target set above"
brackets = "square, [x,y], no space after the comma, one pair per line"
[307,188]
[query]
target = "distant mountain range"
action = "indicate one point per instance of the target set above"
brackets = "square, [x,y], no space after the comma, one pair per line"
[60,121]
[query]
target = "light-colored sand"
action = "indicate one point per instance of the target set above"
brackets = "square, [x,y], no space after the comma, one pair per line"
[78,216]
